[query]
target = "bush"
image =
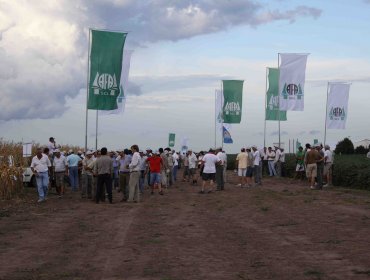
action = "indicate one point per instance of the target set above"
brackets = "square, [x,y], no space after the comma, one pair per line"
[345,147]
[361,150]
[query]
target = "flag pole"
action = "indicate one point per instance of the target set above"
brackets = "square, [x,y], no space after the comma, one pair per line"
[264,132]
[326,111]
[222,133]
[87,89]
[96,130]
[215,118]
[279,97]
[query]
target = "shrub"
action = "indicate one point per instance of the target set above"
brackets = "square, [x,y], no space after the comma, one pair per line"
[361,150]
[345,147]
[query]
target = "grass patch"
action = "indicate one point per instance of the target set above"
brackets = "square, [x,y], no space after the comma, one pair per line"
[313,273]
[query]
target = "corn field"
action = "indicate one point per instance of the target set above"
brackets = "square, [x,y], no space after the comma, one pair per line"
[11,171]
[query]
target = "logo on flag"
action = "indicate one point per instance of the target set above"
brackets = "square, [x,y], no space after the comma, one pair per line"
[292,91]
[105,84]
[337,114]
[232,108]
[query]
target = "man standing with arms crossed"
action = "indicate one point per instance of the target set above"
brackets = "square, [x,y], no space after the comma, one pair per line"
[135,168]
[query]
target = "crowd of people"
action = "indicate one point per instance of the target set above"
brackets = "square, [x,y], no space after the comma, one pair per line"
[131,171]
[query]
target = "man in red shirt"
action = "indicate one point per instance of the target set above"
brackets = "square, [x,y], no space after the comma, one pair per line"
[155,163]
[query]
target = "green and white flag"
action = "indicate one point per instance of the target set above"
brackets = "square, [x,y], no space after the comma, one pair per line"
[105,69]
[337,106]
[121,99]
[233,101]
[291,81]
[272,97]
[171,140]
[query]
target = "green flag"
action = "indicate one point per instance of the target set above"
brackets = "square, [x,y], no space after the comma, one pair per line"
[272,97]
[105,69]
[171,140]
[315,141]
[233,101]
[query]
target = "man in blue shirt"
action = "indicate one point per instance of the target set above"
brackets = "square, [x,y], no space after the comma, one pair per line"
[72,163]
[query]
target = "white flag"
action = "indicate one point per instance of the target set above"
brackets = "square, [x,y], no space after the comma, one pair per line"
[121,99]
[337,106]
[218,109]
[291,81]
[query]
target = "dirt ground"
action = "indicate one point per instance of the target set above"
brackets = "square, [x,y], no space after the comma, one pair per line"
[281,230]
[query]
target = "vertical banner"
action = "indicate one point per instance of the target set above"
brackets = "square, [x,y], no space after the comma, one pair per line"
[233,101]
[121,99]
[184,145]
[315,141]
[227,136]
[291,81]
[218,109]
[105,69]
[171,140]
[337,106]
[272,97]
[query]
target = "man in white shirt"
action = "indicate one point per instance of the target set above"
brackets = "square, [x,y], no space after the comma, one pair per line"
[135,168]
[220,170]
[328,162]
[242,164]
[175,167]
[52,146]
[40,166]
[257,165]
[271,161]
[277,161]
[192,166]
[60,170]
[209,171]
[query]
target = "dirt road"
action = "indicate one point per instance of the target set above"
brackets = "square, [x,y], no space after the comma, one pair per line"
[281,230]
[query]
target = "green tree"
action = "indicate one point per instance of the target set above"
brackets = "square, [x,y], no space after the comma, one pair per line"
[361,150]
[345,147]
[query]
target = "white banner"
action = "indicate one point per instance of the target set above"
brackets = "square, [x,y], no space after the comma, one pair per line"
[337,106]
[291,81]
[218,109]
[121,99]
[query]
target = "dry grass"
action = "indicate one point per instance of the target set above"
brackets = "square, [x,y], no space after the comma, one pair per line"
[11,179]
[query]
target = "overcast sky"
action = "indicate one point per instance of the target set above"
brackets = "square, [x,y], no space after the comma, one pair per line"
[182,51]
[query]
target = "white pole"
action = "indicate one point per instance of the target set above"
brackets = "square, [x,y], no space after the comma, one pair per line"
[264,132]
[87,89]
[326,112]
[222,99]
[215,118]
[279,96]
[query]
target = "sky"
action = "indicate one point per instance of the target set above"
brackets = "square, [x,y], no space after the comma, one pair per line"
[182,50]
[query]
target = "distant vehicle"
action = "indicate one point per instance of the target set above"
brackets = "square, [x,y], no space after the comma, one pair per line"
[29,178]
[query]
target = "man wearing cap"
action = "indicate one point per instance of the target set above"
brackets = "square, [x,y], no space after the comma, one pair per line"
[73,162]
[40,167]
[60,170]
[328,161]
[87,175]
[164,167]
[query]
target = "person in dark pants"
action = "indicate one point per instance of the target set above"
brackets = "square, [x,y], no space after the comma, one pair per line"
[320,167]
[220,170]
[103,169]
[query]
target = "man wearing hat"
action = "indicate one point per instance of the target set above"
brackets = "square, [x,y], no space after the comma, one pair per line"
[60,170]
[87,175]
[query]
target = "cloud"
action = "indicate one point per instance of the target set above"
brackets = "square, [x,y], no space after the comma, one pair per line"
[44,43]
[276,133]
